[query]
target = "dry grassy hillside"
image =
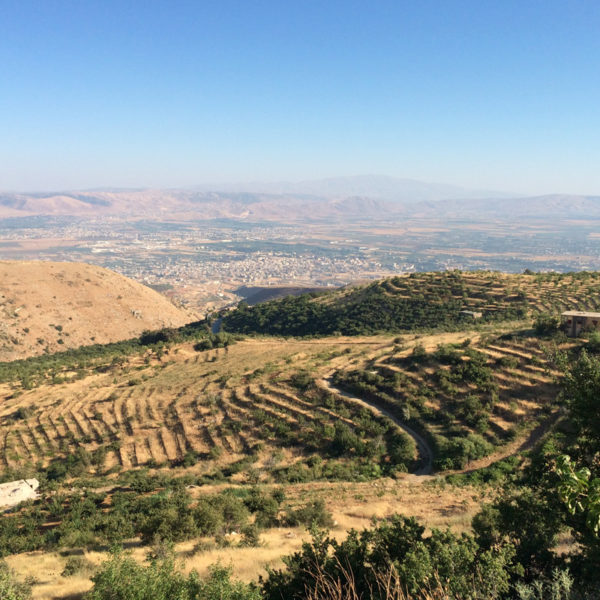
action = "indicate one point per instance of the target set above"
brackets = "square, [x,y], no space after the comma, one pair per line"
[214,406]
[269,405]
[47,307]
[269,414]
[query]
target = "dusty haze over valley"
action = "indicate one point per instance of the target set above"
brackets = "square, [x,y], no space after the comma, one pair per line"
[200,247]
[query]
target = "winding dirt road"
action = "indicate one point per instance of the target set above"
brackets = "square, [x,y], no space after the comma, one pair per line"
[423,448]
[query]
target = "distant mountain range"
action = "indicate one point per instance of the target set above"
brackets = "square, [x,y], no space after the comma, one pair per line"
[379,187]
[343,198]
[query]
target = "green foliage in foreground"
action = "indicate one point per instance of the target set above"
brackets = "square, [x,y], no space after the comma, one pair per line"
[10,588]
[557,493]
[169,514]
[393,560]
[122,578]
[579,491]
[398,546]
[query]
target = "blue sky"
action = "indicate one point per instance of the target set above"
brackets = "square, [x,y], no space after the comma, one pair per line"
[489,94]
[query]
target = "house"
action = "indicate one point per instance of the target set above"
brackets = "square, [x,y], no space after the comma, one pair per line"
[575,322]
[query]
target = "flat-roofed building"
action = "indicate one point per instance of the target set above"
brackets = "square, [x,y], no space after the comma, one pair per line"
[577,321]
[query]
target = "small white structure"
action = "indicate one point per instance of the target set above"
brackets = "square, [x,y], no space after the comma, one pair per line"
[14,492]
[470,314]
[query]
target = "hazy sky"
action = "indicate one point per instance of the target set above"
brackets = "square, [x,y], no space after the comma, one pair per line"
[496,94]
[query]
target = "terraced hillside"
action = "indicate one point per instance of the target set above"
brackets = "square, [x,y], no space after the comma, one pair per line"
[220,411]
[420,300]
[466,399]
[282,410]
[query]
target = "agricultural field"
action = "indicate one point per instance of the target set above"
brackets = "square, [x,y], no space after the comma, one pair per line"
[248,403]
[466,399]
[277,410]
[273,431]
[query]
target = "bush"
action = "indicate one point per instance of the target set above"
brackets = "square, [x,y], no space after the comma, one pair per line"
[546,324]
[301,380]
[250,536]
[593,343]
[397,546]
[455,453]
[312,514]
[75,565]
[265,507]
[122,578]
[10,588]
[167,517]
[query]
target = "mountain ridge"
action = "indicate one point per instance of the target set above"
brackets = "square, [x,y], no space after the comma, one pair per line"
[360,197]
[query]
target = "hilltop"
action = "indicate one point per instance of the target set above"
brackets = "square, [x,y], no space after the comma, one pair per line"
[50,306]
[419,301]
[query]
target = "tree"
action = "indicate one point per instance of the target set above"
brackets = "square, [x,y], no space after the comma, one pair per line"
[122,578]
[581,393]
[579,491]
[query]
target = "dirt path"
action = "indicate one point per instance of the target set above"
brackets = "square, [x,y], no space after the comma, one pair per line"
[423,448]
[519,445]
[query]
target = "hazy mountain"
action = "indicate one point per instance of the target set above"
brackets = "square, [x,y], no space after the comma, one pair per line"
[348,198]
[380,187]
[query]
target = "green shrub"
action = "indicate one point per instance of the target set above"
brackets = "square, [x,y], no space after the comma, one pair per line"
[301,380]
[311,514]
[122,578]
[546,324]
[511,362]
[10,588]
[75,565]
[593,343]
[418,563]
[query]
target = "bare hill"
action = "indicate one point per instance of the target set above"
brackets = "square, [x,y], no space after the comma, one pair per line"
[47,306]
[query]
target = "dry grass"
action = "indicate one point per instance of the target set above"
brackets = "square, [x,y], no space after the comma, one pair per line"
[353,505]
[159,410]
[49,307]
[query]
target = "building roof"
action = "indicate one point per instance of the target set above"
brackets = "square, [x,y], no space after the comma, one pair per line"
[581,313]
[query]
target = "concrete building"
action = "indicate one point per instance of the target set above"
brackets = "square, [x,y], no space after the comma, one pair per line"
[575,322]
